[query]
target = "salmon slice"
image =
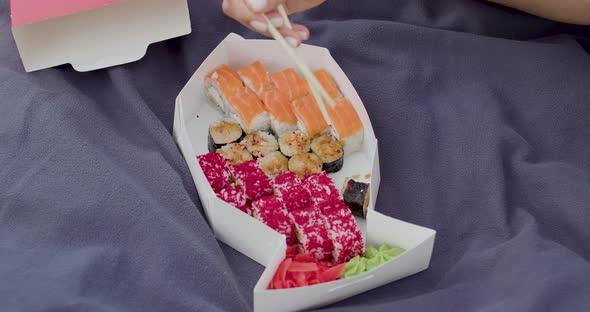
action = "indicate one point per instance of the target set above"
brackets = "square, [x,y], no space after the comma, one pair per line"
[328,84]
[226,79]
[345,120]
[309,115]
[256,78]
[249,110]
[290,83]
[277,104]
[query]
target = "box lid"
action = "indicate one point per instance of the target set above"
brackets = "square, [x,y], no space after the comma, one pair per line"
[25,12]
[49,33]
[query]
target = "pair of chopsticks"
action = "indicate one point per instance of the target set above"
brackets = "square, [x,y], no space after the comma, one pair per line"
[318,92]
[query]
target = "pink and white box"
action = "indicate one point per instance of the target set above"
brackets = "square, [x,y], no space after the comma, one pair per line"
[93,34]
[192,117]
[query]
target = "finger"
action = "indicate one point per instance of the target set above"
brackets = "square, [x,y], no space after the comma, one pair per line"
[277,20]
[302,31]
[296,6]
[237,10]
[262,6]
[291,36]
[260,23]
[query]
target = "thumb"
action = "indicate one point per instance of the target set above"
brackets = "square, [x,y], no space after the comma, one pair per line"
[262,6]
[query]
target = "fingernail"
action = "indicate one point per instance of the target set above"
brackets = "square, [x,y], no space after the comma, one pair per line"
[257,5]
[277,21]
[304,35]
[292,42]
[259,26]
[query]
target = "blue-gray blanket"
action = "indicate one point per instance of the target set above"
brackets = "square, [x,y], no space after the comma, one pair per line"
[483,117]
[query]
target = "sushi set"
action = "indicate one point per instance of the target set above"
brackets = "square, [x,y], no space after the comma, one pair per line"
[291,181]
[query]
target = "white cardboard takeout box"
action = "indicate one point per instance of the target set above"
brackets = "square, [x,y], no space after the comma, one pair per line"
[93,34]
[194,113]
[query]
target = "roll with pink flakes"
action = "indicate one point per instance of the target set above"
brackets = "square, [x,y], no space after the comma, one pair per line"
[271,211]
[312,234]
[251,179]
[216,170]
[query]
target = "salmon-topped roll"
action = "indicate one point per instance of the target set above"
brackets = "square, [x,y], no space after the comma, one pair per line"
[256,78]
[309,116]
[221,84]
[290,83]
[248,110]
[328,84]
[282,117]
[347,125]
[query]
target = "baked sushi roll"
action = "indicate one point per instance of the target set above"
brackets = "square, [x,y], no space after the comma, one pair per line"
[271,211]
[330,152]
[312,234]
[322,190]
[260,143]
[223,132]
[235,153]
[274,164]
[346,125]
[220,84]
[216,170]
[256,77]
[294,143]
[282,117]
[344,233]
[251,179]
[291,189]
[234,196]
[247,108]
[356,195]
[305,165]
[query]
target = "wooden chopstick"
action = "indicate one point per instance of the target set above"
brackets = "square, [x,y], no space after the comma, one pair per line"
[285,16]
[314,85]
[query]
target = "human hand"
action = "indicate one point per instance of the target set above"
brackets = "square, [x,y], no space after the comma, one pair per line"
[250,14]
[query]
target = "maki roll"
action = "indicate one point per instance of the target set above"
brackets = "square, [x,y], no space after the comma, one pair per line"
[251,179]
[290,83]
[234,196]
[356,196]
[323,191]
[312,233]
[247,108]
[344,233]
[328,83]
[329,150]
[347,125]
[223,132]
[294,143]
[235,153]
[256,77]
[271,211]
[305,165]
[274,164]
[282,117]
[260,143]
[291,189]
[309,116]
[216,170]
[222,83]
